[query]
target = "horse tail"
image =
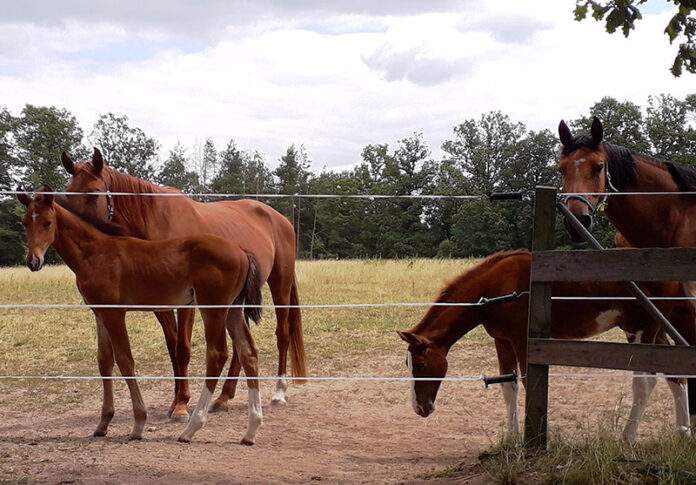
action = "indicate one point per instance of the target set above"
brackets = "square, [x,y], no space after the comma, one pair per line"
[251,292]
[298,358]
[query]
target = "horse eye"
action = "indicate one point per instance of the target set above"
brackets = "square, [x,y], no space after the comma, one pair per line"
[597,168]
[47,224]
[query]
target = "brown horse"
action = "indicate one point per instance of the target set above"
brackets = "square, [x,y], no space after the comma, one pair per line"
[503,273]
[113,270]
[256,227]
[588,164]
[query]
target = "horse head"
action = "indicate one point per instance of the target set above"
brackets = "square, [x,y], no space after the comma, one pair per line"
[40,224]
[424,361]
[88,176]
[584,168]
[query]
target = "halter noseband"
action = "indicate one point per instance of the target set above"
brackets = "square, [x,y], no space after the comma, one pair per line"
[609,187]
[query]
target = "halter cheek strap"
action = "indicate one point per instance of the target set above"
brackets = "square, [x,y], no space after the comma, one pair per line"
[609,187]
[109,206]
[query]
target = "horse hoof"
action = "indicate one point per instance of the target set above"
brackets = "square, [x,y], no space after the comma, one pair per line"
[278,401]
[184,439]
[135,437]
[98,433]
[179,417]
[247,442]
[218,407]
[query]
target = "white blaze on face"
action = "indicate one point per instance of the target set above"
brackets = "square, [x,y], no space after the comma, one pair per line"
[34,216]
[409,363]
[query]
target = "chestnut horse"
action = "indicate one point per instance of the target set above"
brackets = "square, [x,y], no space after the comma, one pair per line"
[503,273]
[258,228]
[588,164]
[113,270]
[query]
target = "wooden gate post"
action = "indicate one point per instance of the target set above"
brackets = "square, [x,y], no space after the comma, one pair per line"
[537,390]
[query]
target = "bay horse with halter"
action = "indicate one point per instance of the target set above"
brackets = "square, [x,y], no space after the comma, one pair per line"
[114,270]
[256,227]
[594,169]
[505,273]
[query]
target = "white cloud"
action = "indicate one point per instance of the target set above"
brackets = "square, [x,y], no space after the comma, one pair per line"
[334,76]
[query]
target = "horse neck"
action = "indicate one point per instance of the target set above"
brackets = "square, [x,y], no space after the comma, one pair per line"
[73,238]
[445,325]
[639,217]
[134,212]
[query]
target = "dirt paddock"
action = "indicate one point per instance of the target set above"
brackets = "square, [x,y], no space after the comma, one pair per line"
[329,431]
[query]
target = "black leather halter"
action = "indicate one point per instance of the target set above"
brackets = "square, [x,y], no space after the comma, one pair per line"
[608,187]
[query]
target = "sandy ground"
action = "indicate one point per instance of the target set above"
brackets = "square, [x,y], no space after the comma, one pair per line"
[329,431]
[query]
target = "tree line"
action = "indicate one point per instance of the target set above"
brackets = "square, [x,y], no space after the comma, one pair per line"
[487,154]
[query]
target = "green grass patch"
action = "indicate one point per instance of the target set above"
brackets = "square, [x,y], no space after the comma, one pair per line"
[597,457]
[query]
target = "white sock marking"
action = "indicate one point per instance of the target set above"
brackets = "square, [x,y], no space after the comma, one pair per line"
[255,416]
[199,416]
[280,394]
[642,388]
[510,393]
[681,407]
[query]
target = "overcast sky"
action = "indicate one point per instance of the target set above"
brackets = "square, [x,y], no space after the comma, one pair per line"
[334,76]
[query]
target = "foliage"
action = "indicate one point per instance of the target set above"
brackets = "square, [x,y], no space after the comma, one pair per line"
[40,135]
[175,173]
[485,154]
[623,14]
[124,147]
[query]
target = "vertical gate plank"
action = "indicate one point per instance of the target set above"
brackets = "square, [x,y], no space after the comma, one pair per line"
[537,390]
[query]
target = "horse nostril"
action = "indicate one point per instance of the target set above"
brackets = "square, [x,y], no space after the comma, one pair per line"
[586,221]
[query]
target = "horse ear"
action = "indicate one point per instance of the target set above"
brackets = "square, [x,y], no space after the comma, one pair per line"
[597,131]
[42,198]
[564,134]
[67,163]
[412,338]
[23,198]
[97,161]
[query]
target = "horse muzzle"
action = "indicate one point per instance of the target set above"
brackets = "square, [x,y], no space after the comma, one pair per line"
[587,222]
[425,410]
[34,263]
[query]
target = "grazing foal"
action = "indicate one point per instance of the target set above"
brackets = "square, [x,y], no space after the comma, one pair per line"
[112,270]
[508,272]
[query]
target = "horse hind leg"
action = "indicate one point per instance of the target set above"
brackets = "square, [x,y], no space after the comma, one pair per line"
[245,346]
[105,361]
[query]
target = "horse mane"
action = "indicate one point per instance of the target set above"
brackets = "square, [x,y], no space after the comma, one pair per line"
[449,293]
[136,209]
[105,227]
[685,177]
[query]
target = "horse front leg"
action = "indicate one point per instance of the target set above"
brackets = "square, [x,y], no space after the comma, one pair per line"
[216,356]
[105,361]
[229,388]
[167,321]
[115,324]
[507,364]
[185,320]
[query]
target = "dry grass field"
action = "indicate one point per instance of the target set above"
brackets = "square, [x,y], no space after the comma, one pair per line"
[337,431]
